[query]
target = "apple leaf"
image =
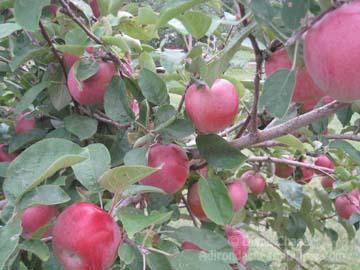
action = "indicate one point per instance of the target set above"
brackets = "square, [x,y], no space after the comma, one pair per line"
[82,126]
[153,88]
[9,235]
[45,195]
[6,29]
[347,148]
[38,162]
[27,13]
[134,220]
[119,178]
[293,192]
[196,22]
[23,139]
[37,247]
[215,200]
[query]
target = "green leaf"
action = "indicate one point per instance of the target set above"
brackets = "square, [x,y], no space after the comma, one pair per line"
[218,152]
[262,10]
[136,156]
[30,96]
[36,247]
[3,168]
[58,91]
[350,230]
[158,262]
[38,162]
[82,126]
[137,31]
[134,220]
[215,200]
[293,12]
[189,260]
[147,62]
[141,189]
[117,179]
[45,194]
[296,226]
[292,192]
[196,22]
[126,253]
[353,153]
[344,115]
[326,202]
[333,235]
[116,103]
[6,29]
[21,140]
[277,93]
[27,13]
[117,41]
[204,238]
[9,236]
[292,141]
[259,265]
[178,130]
[26,54]
[89,171]
[73,49]
[172,60]
[153,88]
[85,68]
[146,15]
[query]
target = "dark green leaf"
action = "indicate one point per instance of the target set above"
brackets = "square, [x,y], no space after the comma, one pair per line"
[347,148]
[6,29]
[296,226]
[136,156]
[293,193]
[126,253]
[293,12]
[21,140]
[36,247]
[344,115]
[158,262]
[153,88]
[58,91]
[85,68]
[196,22]
[27,13]
[82,126]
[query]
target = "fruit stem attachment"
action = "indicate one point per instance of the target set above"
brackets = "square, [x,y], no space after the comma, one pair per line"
[295,56]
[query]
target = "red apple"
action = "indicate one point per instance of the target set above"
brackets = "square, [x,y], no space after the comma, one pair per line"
[5,156]
[324,161]
[175,167]
[195,203]
[24,122]
[95,8]
[36,217]
[92,90]
[238,194]
[283,170]
[212,110]
[238,241]
[327,182]
[346,205]
[255,181]
[305,88]
[85,237]
[186,245]
[327,99]
[331,52]
[308,106]
[306,175]
[356,193]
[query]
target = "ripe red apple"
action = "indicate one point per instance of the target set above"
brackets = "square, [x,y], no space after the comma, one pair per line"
[195,203]
[306,175]
[186,245]
[346,205]
[36,217]
[92,90]
[305,88]
[327,182]
[255,181]
[175,167]
[308,106]
[238,194]
[283,170]
[212,110]
[95,8]
[324,161]
[85,237]
[5,156]
[331,52]
[238,241]
[24,122]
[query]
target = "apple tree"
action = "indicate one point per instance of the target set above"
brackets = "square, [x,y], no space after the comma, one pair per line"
[165,135]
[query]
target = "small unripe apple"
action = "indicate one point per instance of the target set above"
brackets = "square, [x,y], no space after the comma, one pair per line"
[195,203]
[305,88]
[238,241]
[327,182]
[36,217]
[306,175]
[346,205]
[324,161]
[24,122]
[283,170]
[92,90]
[186,245]
[85,237]
[175,167]
[331,52]
[255,181]
[5,156]
[238,194]
[95,8]
[212,110]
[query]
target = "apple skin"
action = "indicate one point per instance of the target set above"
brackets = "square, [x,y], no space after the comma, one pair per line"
[92,90]
[24,123]
[346,205]
[175,167]
[5,156]
[283,170]
[195,203]
[330,52]
[95,8]
[33,218]
[327,182]
[305,88]
[238,194]
[255,181]
[85,237]
[238,241]
[308,106]
[307,175]
[324,161]
[186,245]
[212,110]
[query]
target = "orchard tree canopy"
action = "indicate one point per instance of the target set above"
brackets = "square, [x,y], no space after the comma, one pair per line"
[170,135]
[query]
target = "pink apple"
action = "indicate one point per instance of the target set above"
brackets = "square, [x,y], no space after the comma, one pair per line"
[238,194]
[327,182]
[5,156]
[324,161]
[306,175]
[24,122]
[346,205]
[195,203]
[238,241]
[255,181]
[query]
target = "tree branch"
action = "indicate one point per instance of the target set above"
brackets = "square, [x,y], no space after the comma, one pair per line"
[351,137]
[103,118]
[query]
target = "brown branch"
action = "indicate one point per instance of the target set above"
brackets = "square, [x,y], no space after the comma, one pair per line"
[55,52]
[188,209]
[351,137]
[244,127]
[100,116]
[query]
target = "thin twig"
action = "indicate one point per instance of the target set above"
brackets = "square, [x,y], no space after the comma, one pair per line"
[244,127]
[188,209]
[351,137]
